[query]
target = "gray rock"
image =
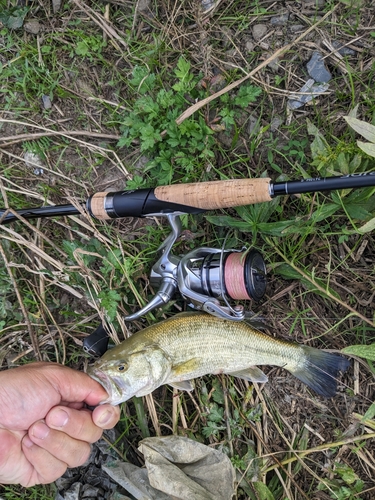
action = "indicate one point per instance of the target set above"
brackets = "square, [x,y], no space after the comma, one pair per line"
[144,5]
[259,31]
[344,51]
[319,4]
[47,103]
[249,46]
[280,20]
[56,5]
[253,125]
[275,123]
[317,70]
[307,93]
[296,27]
[274,65]
[33,26]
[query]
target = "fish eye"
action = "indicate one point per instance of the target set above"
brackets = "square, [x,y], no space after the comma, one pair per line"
[122,367]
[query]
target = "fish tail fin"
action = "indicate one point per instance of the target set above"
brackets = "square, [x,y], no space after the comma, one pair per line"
[321,370]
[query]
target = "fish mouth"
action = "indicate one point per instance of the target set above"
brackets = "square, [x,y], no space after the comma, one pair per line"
[109,384]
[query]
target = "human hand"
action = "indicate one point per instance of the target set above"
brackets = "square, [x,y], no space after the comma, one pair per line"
[44,425]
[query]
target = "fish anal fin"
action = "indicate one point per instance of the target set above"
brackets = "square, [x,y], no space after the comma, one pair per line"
[252,374]
[181,370]
[183,385]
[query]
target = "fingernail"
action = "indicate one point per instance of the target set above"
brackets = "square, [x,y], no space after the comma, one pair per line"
[58,418]
[40,430]
[105,418]
[26,441]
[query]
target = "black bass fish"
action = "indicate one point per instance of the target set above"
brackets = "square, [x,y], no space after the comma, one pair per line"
[190,345]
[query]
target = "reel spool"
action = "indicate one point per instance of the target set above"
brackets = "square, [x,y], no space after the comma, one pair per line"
[208,276]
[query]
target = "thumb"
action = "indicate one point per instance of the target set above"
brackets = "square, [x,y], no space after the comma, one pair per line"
[72,385]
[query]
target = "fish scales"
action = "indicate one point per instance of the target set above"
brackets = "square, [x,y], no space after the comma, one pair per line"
[235,345]
[191,345]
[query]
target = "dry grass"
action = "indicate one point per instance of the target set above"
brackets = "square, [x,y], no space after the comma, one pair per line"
[279,434]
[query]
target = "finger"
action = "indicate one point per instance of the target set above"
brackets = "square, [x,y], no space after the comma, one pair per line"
[46,467]
[78,424]
[70,451]
[106,416]
[72,385]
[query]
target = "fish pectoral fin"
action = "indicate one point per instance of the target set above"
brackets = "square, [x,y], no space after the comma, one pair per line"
[185,368]
[184,385]
[252,374]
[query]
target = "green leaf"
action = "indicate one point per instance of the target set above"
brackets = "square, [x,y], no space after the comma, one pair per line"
[182,71]
[263,491]
[367,147]
[324,212]
[370,413]
[369,226]
[109,300]
[362,351]
[246,95]
[13,18]
[366,130]
[82,49]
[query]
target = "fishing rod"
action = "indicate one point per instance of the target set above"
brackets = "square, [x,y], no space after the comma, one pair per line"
[191,198]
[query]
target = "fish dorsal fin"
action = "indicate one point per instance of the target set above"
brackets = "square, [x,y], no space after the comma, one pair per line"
[252,374]
[185,368]
[184,385]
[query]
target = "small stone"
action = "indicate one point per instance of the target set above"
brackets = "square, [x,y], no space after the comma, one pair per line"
[249,46]
[144,5]
[47,103]
[253,125]
[307,94]
[318,4]
[208,4]
[33,26]
[274,65]
[56,5]
[344,51]
[317,70]
[280,20]
[275,123]
[259,31]
[296,27]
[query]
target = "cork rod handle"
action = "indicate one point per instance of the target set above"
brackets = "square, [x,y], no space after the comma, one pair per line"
[216,194]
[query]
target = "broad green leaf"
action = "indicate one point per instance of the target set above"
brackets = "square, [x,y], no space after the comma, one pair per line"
[370,413]
[13,18]
[288,272]
[324,211]
[353,112]
[367,147]
[362,351]
[369,226]
[366,130]
[263,491]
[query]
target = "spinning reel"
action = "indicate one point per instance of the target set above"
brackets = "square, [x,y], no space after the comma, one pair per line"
[208,279]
